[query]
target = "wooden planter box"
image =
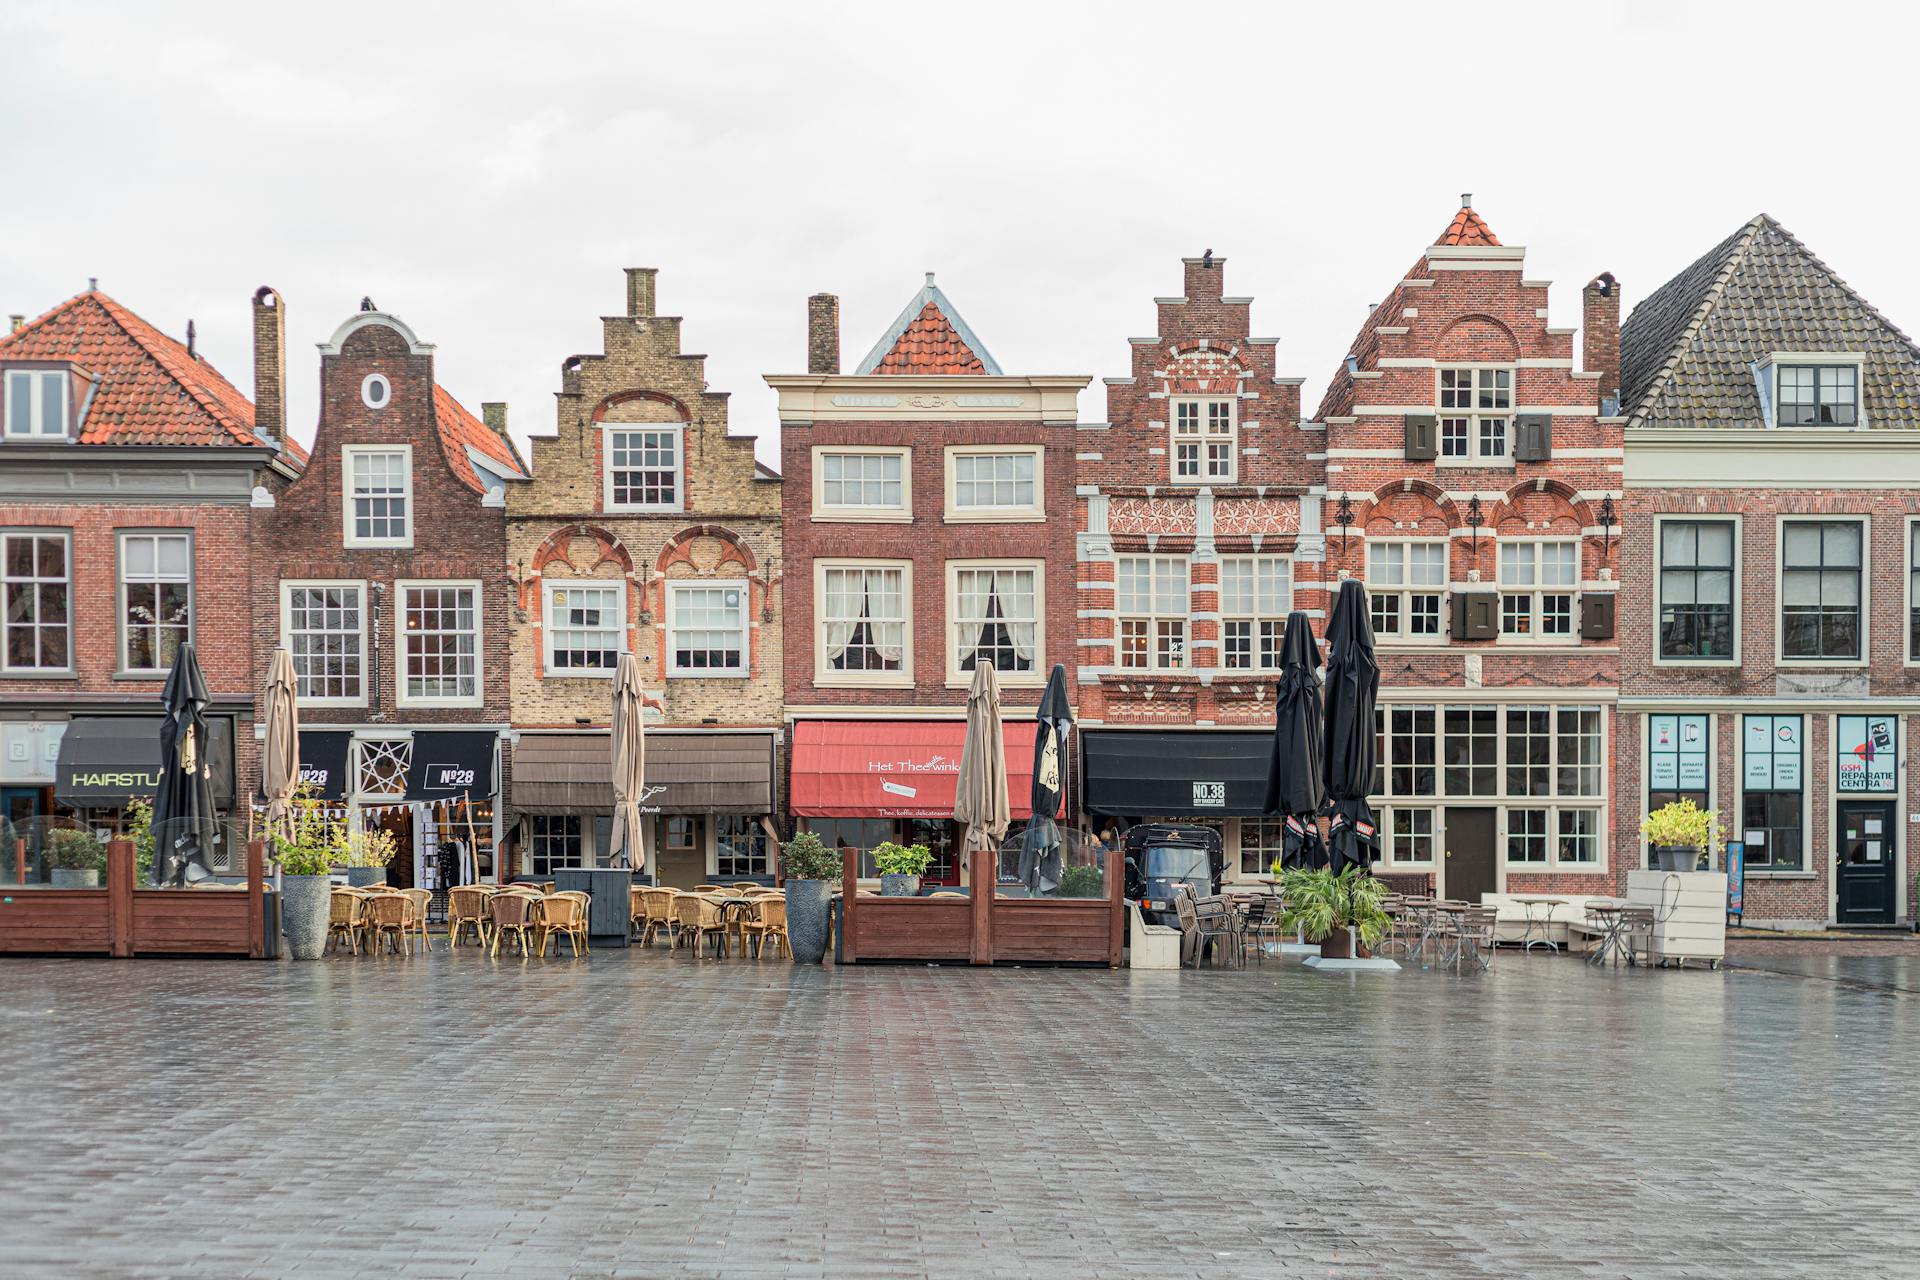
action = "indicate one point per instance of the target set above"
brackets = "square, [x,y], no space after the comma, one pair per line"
[120,920]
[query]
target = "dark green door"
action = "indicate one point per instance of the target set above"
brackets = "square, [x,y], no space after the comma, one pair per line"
[1864,863]
[1470,854]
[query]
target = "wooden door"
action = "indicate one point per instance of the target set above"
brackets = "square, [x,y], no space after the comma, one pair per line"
[1864,863]
[1470,866]
[682,850]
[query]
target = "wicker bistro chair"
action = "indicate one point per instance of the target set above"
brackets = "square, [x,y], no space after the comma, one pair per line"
[387,922]
[710,922]
[343,919]
[660,917]
[747,886]
[418,900]
[513,913]
[768,926]
[467,909]
[711,888]
[564,914]
[686,919]
[1476,927]
[636,911]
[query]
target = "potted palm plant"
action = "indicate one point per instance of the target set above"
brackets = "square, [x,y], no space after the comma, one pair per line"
[306,851]
[76,858]
[1340,912]
[808,869]
[901,867]
[1680,832]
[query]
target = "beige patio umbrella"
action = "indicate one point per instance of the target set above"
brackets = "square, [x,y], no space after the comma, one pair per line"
[280,763]
[980,799]
[629,764]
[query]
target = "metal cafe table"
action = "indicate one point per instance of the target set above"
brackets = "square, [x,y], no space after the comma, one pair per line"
[608,913]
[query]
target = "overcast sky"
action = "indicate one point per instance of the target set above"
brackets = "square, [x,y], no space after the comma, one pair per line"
[485,173]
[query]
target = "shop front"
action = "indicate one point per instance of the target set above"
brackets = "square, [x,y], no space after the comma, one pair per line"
[707,805]
[105,762]
[860,783]
[1203,777]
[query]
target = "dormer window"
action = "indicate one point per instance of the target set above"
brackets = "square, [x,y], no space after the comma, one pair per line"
[1817,395]
[36,404]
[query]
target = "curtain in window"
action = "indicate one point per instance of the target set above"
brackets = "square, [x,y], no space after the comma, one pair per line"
[880,603]
[1017,585]
[839,606]
[976,593]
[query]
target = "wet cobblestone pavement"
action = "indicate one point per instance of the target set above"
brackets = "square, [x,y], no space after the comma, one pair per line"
[633,1114]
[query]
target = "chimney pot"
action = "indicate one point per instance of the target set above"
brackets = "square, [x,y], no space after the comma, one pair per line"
[823,332]
[15,323]
[494,414]
[269,365]
[1600,335]
[1466,199]
[93,284]
[640,292]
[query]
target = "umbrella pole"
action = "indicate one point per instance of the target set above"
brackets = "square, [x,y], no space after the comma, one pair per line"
[473,841]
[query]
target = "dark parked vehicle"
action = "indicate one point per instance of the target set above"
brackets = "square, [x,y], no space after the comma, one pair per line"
[1163,859]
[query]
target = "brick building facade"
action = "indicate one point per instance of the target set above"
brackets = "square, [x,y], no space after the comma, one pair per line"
[1199,528]
[130,472]
[928,501]
[384,573]
[649,528]
[1472,483]
[1770,664]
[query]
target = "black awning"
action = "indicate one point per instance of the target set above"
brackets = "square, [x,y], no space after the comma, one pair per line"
[323,762]
[1203,773]
[107,760]
[451,763]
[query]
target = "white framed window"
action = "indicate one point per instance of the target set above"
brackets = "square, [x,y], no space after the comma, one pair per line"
[1913,590]
[586,626]
[377,487]
[644,467]
[555,842]
[1261,844]
[1204,436]
[1475,414]
[1816,395]
[740,847]
[36,404]
[994,612]
[1538,582]
[36,589]
[156,599]
[1699,588]
[437,639]
[1151,607]
[1406,581]
[995,483]
[323,625]
[1409,836]
[864,635]
[1256,593]
[1822,591]
[375,391]
[707,628]
[858,482]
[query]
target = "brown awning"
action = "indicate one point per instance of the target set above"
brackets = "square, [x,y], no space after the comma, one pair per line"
[686,773]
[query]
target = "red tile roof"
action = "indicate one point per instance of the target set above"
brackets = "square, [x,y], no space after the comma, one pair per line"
[460,429]
[930,345]
[148,388]
[1468,228]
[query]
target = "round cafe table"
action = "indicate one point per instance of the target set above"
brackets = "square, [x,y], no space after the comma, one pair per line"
[1539,923]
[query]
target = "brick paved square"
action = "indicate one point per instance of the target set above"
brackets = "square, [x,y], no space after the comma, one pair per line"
[636,1115]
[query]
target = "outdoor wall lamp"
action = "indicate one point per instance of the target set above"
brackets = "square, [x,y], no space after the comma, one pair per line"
[1344,514]
[1608,518]
[1475,518]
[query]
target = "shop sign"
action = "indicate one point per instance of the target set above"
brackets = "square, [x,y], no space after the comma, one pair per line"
[1772,753]
[1677,753]
[1209,795]
[1864,753]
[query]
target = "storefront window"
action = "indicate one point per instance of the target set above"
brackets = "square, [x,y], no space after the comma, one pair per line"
[1259,845]
[1410,836]
[1527,836]
[1578,734]
[1471,746]
[1677,749]
[858,834]
[1529,751]
[1771,809]
[554,841]
[1410,741]
[1579,837]
[742,845]
[1864,754]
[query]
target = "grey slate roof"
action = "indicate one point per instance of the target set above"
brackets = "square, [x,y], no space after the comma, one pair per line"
[1687,352]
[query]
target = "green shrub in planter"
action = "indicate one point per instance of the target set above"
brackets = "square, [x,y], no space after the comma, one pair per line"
[71,850]
[1682,831]
[805,858]
[1082,882]
[891,859]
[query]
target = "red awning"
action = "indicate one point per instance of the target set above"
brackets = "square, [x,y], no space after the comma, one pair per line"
[894,768]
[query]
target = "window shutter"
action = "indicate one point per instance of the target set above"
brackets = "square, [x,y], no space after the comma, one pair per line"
[1533,437]
[1596,615]
[1422,443]
[1476,615]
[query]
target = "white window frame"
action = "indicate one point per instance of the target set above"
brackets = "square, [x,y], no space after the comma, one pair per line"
[677,672]
[1181,612]
[1736,825]
[536,840]
[66,539]
[1476,456]
[1390,855]
[368,383]
[678,431]
[1739,561]
[860,512]
[1865,523]
[1205,435]
[1768,377]
[347,494]
[120,591]
[1403,591]
[1910,658]
[287,588]
[401,587]
[1019,512]
[37,381]
[959,679]
[1258,615]
[1534,592]
[547,613]
[825,676]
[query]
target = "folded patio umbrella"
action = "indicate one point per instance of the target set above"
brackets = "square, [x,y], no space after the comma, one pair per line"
[1296,790]
[980,798]
[185,827]
[1353,685]
[280,763]
[629,764]
[1040,847]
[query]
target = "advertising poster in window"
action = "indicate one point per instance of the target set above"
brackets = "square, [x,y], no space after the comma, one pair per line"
[1772,753]
[1864,750]
[1677,753]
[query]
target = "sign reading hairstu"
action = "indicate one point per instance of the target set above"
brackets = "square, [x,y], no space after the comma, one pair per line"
[451,764]
[107,760]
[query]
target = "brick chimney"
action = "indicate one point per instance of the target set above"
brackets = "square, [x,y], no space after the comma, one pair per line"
[1600,335]
[1206,277]
[269,365]
[494,414]
[640,286]
[823,333]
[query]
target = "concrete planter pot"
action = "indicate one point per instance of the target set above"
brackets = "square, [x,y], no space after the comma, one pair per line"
[807,918]
[76,878]
[303,914]
[1676,857]
[366,877]
[899,885]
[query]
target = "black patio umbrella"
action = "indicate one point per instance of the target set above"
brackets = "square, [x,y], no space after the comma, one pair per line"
[184,824]
[1353,685]
[1040,847]
[1295,788]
